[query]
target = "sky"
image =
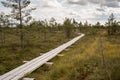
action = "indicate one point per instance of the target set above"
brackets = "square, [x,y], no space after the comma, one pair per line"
[82,10]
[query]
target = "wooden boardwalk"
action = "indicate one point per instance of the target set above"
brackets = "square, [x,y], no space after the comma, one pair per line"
[32,65]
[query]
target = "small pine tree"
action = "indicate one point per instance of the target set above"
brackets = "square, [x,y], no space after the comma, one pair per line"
[19,13]
[68,27]
[112,25]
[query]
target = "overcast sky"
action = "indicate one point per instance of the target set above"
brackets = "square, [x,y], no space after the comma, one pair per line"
[81,10]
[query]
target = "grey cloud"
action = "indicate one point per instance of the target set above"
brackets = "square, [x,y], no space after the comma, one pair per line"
[111,3]
[95,1]
[108,3]
[79,2]
[83,2]
[100,9]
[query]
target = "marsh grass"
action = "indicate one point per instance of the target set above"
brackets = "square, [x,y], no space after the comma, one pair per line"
[12,56]
[83,61]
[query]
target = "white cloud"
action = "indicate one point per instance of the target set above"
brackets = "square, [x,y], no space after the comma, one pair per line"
[52,8]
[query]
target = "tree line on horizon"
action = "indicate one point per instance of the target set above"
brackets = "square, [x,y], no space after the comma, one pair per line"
[20,17]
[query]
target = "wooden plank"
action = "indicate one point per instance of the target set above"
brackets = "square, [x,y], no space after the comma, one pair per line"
[28,79]
[49,63]
[60,55]
[25,61]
